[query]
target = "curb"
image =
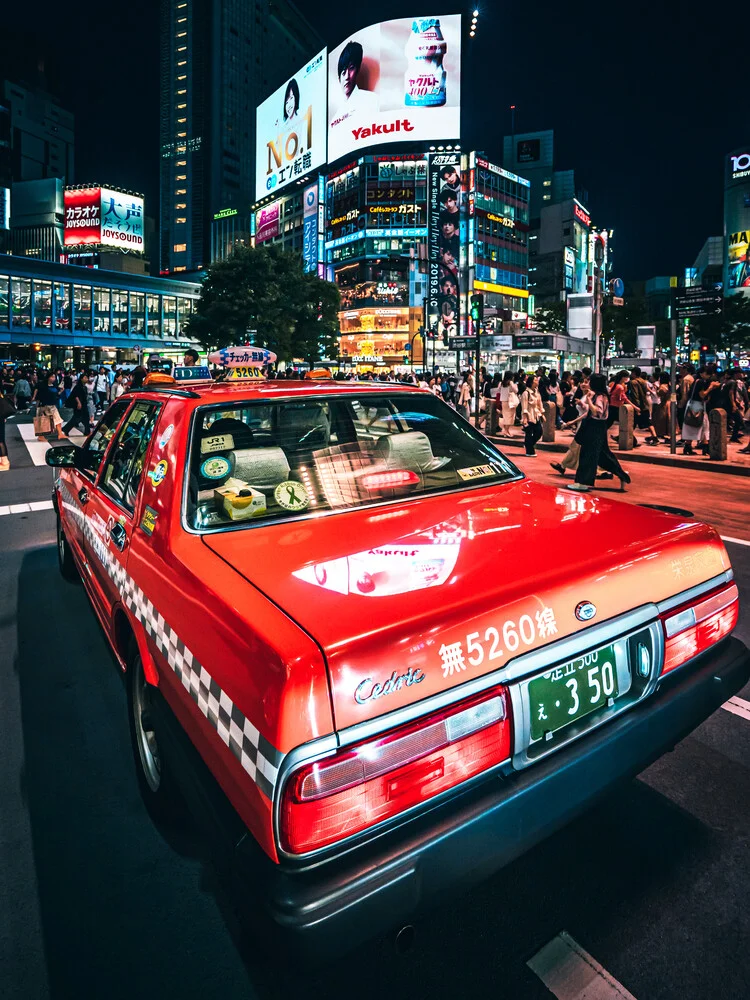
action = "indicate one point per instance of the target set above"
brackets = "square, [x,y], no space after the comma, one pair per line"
[670,461]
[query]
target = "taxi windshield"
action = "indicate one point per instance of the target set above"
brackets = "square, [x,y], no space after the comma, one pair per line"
[296,457]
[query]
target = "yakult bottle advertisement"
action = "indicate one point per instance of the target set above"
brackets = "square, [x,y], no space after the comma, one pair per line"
[397,81]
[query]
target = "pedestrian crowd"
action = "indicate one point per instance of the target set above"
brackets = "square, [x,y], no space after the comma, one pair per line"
[60,399]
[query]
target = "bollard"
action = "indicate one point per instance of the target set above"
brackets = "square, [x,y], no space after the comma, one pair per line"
[548,422]
[627,420]
[493,420]
[717,435]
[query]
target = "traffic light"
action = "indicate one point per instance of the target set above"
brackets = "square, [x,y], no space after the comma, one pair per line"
[477,310]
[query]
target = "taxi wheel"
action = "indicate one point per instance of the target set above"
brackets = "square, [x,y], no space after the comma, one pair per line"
[65,559]
[158,786]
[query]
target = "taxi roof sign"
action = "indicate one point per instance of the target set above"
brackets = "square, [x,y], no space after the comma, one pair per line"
[233,357]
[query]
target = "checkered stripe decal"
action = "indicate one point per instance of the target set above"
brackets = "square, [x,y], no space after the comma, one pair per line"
[257,756]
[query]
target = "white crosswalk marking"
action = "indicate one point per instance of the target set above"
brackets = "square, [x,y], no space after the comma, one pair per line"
[38,449]
[570,973]
[26,508]
[738,706]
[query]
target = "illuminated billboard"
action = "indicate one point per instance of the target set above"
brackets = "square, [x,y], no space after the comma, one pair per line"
[83,221]
[97,216]
[122,220]
[395,81]
[290,136]
[737,223]
[267,222]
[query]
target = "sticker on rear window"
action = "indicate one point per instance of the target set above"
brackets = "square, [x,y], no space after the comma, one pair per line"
[217,442]
[291,496]
[216,468]
[476,472]
[168,432]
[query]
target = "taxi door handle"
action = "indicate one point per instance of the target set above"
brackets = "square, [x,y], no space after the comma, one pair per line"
[118,535]
[83,495]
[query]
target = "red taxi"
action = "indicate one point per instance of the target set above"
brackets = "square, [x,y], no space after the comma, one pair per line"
[372,654]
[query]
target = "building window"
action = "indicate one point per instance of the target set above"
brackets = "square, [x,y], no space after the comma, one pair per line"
[181,135]
[181,20]
[179,106]
[101,310]
[181,92]
[180,220]
[182,267]
[181,191]
[181,121]
[182,62]
[181,204]
[180,247]
[181,34]
[181,177]
[181,163]
[182,48]
[183,77]
[546,184]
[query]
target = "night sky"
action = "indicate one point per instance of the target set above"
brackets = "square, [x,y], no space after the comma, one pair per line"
[644,100]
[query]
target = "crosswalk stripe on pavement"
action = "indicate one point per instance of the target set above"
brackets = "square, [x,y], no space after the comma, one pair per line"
[738,706]
[38,449]
[570,973]
[26,508]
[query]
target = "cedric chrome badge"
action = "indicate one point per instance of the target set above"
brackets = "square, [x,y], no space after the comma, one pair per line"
[585,611]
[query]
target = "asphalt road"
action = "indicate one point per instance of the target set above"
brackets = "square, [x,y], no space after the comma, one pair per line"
[96,902]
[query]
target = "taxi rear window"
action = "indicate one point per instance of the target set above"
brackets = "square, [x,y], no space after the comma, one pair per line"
[296,457]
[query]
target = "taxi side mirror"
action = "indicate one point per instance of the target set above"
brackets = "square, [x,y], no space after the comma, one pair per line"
[66,456]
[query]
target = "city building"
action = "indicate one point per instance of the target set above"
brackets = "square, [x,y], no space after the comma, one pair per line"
[532,155]
[42,134]
[708,267]
[219,59]
[57,313]
[659,293]
[559,251]
[737,221]
[375,249]
[6,175]
[37,219]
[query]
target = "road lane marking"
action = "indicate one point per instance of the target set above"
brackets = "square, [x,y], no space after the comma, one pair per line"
[26,508]
[735,541]
[738,706]
[570,973]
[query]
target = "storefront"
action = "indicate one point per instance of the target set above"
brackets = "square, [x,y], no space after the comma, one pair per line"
[59,313]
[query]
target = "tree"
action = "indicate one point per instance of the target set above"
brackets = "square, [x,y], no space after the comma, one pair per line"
[552,318]
[263,296]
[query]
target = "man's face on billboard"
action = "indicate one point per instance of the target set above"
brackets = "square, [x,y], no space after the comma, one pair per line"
[451,177]
[450,205]
[348,79]
[449,229]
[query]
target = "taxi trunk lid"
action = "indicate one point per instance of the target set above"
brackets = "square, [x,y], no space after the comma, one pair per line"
[407,600]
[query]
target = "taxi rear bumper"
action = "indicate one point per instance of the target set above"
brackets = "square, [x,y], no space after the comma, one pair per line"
[341,903]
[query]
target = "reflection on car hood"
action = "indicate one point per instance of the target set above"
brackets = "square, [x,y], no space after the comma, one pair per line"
[391,593]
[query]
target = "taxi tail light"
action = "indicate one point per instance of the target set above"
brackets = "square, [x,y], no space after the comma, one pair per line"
[696,626]
[331,799]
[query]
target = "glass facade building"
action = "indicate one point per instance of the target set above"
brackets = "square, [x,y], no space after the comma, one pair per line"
[51,311]
[219,60]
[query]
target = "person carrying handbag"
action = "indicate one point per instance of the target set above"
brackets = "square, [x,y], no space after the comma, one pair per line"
[695,418]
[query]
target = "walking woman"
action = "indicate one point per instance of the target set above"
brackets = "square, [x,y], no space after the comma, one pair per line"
[617,397]
[695,418]
[592,437]
[532,412]
[507,396]
[7,409]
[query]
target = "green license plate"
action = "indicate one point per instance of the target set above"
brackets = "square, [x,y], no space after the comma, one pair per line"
[571,691]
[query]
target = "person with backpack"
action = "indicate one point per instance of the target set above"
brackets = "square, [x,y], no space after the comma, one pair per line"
[78,402]
[695,417]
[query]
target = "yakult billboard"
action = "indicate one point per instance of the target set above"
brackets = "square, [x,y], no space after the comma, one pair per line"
[395,81]
[290,137]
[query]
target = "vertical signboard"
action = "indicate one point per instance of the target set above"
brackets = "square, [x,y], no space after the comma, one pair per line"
[310,228]
[446,198]
[737,222]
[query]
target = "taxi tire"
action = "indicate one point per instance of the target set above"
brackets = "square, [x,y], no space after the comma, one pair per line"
[65,560]
[161,797]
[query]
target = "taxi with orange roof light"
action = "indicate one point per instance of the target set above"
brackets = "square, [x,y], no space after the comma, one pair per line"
[339,654]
